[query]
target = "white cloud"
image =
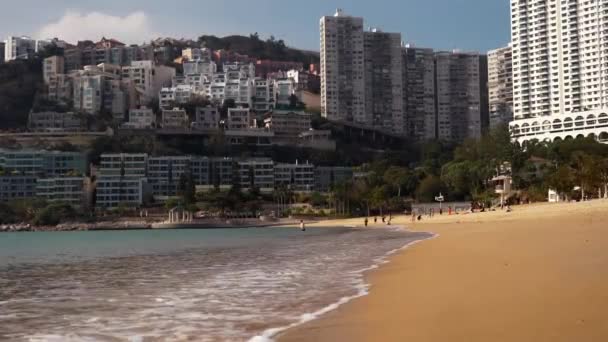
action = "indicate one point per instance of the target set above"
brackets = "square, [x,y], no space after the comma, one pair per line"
[74,26]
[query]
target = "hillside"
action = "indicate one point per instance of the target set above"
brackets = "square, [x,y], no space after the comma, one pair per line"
[253,46]
[19,82]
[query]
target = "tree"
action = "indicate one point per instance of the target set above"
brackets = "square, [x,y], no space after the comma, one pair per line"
[430,187]
[380,197]
[456,176]
[54,214]
[187,188]
[317,199]
[586,172]
[397,177]
[562,180]
[7,214]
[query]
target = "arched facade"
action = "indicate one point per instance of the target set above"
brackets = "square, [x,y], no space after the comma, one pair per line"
[562,127]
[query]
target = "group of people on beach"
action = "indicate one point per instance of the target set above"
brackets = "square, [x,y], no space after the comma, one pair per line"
[385,220]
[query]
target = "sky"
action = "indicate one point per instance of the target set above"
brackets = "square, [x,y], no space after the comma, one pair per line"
[468,25]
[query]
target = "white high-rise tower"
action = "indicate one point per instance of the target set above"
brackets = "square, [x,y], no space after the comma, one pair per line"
[560,69]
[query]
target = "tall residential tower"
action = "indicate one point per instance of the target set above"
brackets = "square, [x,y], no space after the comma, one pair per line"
[343,69]
[560,69]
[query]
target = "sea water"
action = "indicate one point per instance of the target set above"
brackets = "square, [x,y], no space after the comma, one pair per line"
[182,285]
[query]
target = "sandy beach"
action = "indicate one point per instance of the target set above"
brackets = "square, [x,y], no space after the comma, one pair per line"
[539,273]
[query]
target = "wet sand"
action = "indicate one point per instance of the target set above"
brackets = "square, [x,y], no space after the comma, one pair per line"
[537,274]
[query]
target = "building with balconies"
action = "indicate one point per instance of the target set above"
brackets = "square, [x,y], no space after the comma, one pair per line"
[256,173]
[142,118]
[69,190]
[42,163]
[287,124]
[207,118]
[175,118]
[299,177]
[343,69]
[500,86]
[558,88]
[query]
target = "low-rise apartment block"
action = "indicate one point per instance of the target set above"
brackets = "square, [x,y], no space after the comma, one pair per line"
[239,119]
[299,177]
[55,122]
[207,118]
[43,163]
[142,118]
[70,190]
[256,173]
[287,124]
[121,180]
[175,118]
[16,187]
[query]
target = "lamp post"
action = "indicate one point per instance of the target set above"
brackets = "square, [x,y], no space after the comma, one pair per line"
[440,199]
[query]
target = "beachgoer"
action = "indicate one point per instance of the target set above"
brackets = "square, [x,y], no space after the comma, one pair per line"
[375,219]
[302,226]
[366,221]
[383,219]
[419,217]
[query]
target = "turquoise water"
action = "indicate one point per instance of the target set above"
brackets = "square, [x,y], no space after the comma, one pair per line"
[202,285]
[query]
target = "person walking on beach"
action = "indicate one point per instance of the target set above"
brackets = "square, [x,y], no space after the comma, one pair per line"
[366,222]
[302,226]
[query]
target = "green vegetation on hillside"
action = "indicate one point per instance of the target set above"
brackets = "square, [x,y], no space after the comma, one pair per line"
[19,82]
[253,46]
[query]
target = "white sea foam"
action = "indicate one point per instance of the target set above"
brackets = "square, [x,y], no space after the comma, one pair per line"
[268,281]
[362,290]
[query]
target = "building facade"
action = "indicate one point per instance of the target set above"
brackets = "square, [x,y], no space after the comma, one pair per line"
[459,100]
[559,59]
[298,177]
[121,180]
[287,124]
[383,81]
[16,187]
[419,93]
[43,163]
[70,190]
[55,122]
[142,118]
[256,173]
[343,69]
[19,48]
[52,66]
[500,86]
[175,118]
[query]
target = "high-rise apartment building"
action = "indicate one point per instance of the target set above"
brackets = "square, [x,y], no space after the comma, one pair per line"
[500,86]
[369,78]
[343,69]
[460,108]
[419,93]
[383,81]
[560,61]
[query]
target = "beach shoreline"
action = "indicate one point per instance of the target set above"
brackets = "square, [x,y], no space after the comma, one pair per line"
[476,286]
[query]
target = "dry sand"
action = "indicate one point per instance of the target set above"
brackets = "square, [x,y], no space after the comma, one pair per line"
[537,274]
